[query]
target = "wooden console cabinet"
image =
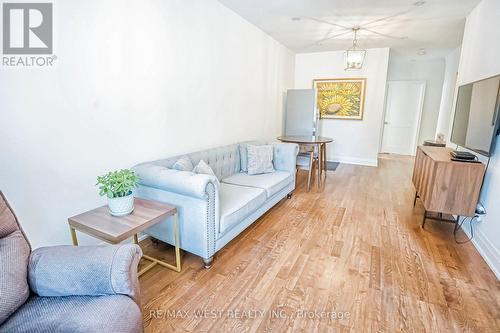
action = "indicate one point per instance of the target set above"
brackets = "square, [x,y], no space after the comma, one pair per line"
[446,186]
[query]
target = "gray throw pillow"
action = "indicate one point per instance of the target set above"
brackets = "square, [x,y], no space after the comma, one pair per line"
[204,168]
[260,159]
[183,164]
[244,153]
[14,290]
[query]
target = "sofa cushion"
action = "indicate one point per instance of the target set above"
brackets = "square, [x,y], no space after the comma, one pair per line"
[114,313]
[203,168]
[183,164]
[237,202]
[272,183]
[244,153]
[14,290]
[260,159]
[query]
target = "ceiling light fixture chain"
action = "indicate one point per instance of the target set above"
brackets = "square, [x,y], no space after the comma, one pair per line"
[355,41]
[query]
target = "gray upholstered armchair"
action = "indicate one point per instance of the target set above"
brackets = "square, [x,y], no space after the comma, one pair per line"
[66,288]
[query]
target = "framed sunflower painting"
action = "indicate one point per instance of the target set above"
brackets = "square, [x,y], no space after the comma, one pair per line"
[340,98]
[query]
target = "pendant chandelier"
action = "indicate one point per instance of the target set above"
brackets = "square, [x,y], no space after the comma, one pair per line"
[354,56]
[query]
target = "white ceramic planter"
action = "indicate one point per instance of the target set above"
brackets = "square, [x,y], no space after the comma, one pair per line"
[121,206]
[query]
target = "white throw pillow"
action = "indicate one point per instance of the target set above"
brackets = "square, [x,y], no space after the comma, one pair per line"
[183,164]
[244,153]
[260,159]
[204,168]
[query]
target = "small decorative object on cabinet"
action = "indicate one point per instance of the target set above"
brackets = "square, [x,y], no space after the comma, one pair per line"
[117,186]
[445,186]
[434,143]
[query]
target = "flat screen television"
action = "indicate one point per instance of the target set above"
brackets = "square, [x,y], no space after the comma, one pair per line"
[476,122]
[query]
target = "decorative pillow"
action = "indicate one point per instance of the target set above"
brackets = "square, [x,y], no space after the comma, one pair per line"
[14,290]
[244,153]
[204,168]
[260,159]
[183,164]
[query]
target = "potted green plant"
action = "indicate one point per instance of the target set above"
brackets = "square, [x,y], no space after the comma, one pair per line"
[117,186]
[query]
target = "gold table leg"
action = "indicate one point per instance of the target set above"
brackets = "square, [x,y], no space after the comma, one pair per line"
[177,243]
[325,166]
[73,236]
[154,261]
[177,267]
[319,165]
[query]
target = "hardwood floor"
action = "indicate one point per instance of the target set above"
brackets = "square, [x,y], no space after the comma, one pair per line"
[352,252]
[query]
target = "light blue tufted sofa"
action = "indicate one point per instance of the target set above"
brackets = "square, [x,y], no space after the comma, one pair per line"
[211,212]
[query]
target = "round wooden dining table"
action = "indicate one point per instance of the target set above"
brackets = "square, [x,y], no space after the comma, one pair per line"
[310,140]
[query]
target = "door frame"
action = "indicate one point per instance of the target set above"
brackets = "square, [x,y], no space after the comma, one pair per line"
[419,116]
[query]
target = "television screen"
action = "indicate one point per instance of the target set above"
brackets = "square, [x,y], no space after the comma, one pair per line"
[476,116]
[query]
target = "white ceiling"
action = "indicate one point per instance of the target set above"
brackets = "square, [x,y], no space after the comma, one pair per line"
[437,25]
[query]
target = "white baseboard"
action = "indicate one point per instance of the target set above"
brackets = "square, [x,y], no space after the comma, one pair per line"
[354,160]
[486,249]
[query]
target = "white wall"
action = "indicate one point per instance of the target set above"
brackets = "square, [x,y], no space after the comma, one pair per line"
[430,71]
[447,106]
[134,81]
[356,141]
[480,59]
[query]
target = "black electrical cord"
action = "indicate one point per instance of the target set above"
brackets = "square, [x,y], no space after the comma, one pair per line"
[471,219]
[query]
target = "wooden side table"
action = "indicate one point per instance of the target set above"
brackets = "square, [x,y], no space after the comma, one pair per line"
[99,223]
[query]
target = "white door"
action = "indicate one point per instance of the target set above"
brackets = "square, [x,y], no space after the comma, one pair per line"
[404,103]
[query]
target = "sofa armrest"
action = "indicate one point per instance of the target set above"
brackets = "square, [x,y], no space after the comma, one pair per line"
[85,270]
[285,156]
[181,182]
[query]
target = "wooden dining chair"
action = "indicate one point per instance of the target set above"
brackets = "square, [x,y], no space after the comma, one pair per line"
[307,160]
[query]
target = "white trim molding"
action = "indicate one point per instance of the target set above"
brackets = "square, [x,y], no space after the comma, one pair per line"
[486,249]
[354,160]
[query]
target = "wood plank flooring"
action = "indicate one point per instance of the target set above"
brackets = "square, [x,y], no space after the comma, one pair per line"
[350,257]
